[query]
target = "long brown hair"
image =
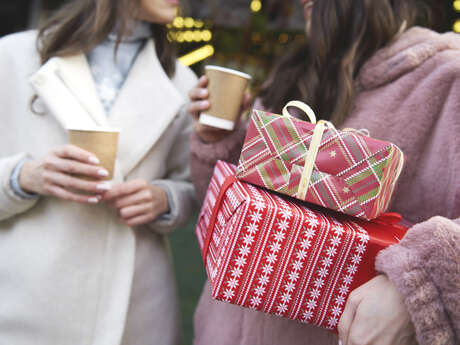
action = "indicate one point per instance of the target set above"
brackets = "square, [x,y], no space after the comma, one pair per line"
[344,34]
[80,25]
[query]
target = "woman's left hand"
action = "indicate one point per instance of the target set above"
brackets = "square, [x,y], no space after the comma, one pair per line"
[138,202]
[375,314]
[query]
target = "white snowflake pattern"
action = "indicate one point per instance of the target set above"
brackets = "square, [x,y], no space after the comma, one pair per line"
[232,283]
[348,279]
[286,213]
[331,251]
[327,261]
[301,255]
[356,259]
[259,205]
[319,283]
[310,232]
[340,300]
[343,290]
[293,276]
[240,261]
[263,280]
[228,294]
[267,269]
[259,290]
[279,236]
[323,272]
[307,315]
[336,240]
[256,216]
[361,248]
[305,244]
[312,221]
[243,250]
[248,239]
[282,308]
[352,269]
[311,304]
[338,229]
[286,297]
[315,293]
[275,247]
[332,322]
[297,265]
[336,311]
[236,272]
[271,258]
[283,224]
[289,287]
[252,228]
[255,301]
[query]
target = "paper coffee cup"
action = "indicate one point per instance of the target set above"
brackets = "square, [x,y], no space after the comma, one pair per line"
[226,90]
[102,142]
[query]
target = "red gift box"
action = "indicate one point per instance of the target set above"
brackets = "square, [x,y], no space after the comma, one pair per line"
[272,253]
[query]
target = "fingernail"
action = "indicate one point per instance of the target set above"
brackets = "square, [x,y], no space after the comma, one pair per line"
[103,186]
[340,342]
[93,160]
[203,93]
[103,172]
[93,200]
[204,103]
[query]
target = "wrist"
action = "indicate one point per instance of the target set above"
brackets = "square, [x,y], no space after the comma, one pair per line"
[26,180]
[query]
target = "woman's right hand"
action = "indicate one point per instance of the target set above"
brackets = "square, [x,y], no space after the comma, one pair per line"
[53,175]
[199,102]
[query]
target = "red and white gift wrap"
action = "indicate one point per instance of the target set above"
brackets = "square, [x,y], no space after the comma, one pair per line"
[272,254]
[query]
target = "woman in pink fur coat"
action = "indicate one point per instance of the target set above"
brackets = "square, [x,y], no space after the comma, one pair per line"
[367,65]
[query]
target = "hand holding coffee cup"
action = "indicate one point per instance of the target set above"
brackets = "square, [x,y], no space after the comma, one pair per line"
[205,97]
[54,175]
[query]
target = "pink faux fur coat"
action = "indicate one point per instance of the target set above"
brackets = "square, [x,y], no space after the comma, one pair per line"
[408,93]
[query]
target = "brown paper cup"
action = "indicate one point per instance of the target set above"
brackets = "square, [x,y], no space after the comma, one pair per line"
[102,142]
[226,90]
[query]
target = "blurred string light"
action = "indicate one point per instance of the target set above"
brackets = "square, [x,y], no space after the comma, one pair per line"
[197,55]
[256,6]
[187,30]
[457,26]
[457,5]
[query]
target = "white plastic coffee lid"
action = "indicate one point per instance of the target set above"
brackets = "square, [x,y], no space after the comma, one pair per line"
[217,122]
[228,70]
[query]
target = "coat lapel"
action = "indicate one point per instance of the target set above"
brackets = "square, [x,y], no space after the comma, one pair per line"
[145,106]
[76,74]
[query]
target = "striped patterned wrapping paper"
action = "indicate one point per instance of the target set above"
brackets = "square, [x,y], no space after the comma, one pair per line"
[353,174]
[273,254]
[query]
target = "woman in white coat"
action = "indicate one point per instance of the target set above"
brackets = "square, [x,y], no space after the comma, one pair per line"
[85,262]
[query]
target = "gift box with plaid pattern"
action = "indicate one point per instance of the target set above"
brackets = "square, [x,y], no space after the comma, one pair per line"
[274,254]
[351,173]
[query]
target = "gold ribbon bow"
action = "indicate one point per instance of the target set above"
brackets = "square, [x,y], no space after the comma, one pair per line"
[314,144]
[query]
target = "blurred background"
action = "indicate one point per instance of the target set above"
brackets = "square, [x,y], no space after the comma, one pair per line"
[247,35]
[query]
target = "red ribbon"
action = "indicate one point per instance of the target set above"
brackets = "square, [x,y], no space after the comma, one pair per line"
[220,198]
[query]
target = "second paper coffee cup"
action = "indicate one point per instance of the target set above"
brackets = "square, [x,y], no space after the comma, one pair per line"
[102,142]
[226,90]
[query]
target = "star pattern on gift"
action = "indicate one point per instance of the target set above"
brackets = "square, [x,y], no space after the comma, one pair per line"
[332,154]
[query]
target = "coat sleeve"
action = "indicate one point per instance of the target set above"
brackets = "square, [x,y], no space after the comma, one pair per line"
[203,157]
[425,268]
[176,183]
[10,203]
[425,265]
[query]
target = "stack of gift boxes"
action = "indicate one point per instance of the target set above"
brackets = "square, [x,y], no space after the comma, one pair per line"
[297,225]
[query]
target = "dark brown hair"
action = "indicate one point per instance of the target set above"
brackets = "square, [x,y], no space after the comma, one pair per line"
[80,25]
[344,34]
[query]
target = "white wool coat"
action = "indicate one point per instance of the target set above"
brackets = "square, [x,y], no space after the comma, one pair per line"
[70,273]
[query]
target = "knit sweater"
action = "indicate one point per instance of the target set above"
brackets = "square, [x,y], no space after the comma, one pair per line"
[407,93]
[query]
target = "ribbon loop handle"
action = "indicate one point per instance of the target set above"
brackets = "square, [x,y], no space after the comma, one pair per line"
[302,106]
